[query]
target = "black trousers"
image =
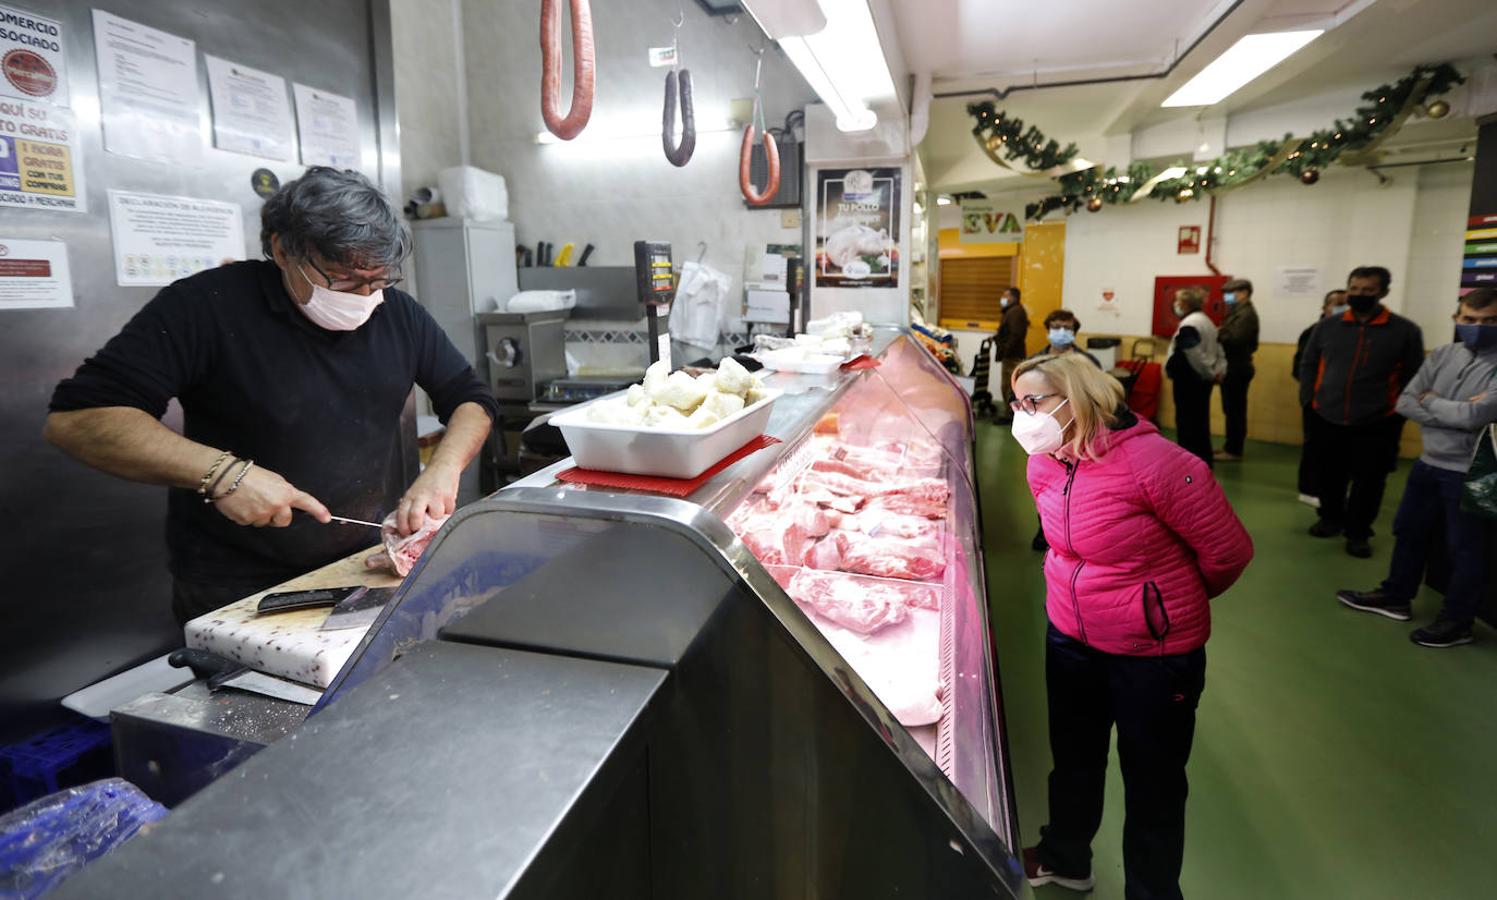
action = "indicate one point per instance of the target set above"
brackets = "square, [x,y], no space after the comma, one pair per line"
[1235,408]
[1309,454]
[1358,457]
[1193,415]
[1152,700]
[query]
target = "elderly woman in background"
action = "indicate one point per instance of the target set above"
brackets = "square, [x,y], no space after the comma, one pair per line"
[1141,537]
[292,372]
[1196,363]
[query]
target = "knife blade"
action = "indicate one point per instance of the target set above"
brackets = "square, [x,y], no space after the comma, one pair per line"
[358,610]
[342,520]
[220,672]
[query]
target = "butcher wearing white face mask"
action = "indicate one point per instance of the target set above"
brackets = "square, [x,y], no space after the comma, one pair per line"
[292,373]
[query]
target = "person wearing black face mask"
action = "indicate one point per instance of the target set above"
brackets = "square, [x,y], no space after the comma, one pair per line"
[1353,369]
[1454,399]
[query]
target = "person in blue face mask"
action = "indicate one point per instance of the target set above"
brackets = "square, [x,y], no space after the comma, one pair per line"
[1061,328]
[1453,397]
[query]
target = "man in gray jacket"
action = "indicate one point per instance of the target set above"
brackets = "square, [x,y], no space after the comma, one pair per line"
[1454,399]
[1352,370]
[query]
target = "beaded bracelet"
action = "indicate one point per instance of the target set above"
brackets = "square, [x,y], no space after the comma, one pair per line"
[211,494]
[248,464]
[208,475]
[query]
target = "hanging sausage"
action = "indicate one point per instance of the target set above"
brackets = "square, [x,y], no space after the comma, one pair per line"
[679,154]
[583,74]
[746,151]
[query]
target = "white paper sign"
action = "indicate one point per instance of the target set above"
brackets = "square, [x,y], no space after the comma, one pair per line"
[32,63]
[148,90]
[1297,281]
[34,275]
[41,162]
[251,113]
[159,239]
[328,125]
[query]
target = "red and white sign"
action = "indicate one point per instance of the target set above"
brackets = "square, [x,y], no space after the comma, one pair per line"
[34,275]
[1190,239]
[32,63]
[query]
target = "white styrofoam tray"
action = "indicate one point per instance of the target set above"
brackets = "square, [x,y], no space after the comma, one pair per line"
[664,452]
[793,360]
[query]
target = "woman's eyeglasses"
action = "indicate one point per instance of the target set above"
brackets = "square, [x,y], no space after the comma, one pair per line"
[1030,403]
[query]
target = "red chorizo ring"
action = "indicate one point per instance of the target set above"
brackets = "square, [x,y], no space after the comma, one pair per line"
[680,154]
[745,158]
[582,68]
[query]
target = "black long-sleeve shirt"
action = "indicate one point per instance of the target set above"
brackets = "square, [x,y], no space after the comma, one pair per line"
[256,377]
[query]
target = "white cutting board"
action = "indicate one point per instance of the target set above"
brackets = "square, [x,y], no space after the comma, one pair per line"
[289,644]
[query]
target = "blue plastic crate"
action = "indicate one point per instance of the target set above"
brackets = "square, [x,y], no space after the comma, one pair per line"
[62,757]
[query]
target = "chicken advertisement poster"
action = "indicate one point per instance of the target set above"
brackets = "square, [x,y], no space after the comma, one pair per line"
[857,228]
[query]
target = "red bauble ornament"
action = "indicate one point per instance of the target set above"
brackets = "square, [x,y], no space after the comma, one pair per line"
[1309,176]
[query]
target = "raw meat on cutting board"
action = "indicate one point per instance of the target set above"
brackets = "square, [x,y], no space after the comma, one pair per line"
[399,554]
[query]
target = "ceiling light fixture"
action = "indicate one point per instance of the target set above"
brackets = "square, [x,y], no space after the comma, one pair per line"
[843,62]
[943,200]
[1245,60]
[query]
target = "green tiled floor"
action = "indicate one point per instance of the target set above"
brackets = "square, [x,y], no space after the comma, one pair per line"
[1333,758]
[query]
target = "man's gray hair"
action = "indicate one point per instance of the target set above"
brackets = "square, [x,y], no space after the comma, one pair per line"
[339,214]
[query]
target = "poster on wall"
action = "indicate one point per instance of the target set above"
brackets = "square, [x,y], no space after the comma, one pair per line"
[251,113]
[148,90]
[159,239]
[991,222]
[857,228]
[34,275]
[328,125]
[32,63]
[1479,261]
[41,166]
[1297,282]
[1189,240]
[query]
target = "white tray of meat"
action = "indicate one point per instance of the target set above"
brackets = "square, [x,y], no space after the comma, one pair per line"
[672,426]
[800,360]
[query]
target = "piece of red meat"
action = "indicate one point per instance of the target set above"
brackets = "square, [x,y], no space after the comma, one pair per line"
[400,553]
[825,555]
[908,505]
[876,521]
[775,537]
[889,557]
[861,606]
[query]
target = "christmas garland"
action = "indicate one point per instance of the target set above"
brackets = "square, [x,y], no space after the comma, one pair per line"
[1352,141]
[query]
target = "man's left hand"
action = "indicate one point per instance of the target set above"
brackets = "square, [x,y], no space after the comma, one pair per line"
[433,494]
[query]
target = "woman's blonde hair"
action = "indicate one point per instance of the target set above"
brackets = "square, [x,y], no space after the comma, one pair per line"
[1095,398]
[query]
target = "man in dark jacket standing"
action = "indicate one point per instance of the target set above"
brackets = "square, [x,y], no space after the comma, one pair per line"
[1238,337]
[1353,370]
[1012,346]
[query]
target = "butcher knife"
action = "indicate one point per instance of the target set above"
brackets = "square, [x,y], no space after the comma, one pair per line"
[222,672]
[358,610]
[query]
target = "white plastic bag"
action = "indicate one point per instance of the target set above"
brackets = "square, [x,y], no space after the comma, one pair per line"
[541,301]
[697,312]
[474,194]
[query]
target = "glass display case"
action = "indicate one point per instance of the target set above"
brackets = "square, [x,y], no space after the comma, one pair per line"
[779,686]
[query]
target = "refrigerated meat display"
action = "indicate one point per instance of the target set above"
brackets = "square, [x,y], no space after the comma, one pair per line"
[813,706]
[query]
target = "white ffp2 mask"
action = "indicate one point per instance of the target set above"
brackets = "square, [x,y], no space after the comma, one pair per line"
[1040,433]
[338,310]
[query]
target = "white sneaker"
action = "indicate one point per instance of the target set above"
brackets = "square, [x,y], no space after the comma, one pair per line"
[1312,502]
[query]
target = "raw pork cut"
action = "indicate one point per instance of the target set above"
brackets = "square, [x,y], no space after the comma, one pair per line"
[777,537]
[909,505]
[889,557]
[825,555]
[862,606]
[400,553]
[875,521]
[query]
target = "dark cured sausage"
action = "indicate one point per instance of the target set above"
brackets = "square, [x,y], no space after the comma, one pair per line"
[679,155]
[576,118]
[745,178]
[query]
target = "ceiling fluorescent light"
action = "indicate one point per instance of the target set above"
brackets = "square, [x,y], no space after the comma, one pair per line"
[1245,60]
[842,62]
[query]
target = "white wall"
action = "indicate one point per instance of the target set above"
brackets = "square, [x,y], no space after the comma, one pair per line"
[614,193]
[1412,226]
[426,94]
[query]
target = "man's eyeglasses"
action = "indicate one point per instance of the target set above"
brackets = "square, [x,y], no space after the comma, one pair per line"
[1030,403]
[349,285]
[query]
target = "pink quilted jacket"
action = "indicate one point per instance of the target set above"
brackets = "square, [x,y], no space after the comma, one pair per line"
[1139,541]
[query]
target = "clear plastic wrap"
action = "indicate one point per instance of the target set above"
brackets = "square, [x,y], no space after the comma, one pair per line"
[49,839]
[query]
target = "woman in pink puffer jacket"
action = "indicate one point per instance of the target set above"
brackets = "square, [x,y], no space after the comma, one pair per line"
[1141,538]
